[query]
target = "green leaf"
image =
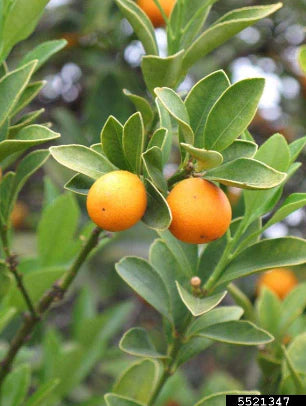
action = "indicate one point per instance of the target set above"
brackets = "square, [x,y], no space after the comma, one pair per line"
[292,306]
[28,94]
[269,311]
[297,353]
[138,381]
[141,24]
[159,72]
[237,332]
[246,173]
[175,106]
[111,139]
[143,106]
[137,342]
[165,122]
[201,99]
[218,399]
[36,284]
[43,52]
[158,214]
[224,29]
[6,315]
[196,305]
[194,346]
[24,121]
[205,159]
[11,88]
[216,316]
[292,203]
[160,139]
[6,192]
[43,393]
[116,400]
[210,257]
[145,280]
[20,22]
[152,160]
[296,147]
[239,149]
[56,231]
[79,184]
[15,386]
[186,254]
[232,113]
[133,141]
[26,138]
[302,57]
[82,159]
[275,153]
[266,254]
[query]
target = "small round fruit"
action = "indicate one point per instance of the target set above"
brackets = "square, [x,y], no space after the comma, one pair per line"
[281,281]
[152,11]
[200,211]
[117,201]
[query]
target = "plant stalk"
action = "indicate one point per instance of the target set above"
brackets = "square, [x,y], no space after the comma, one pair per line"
[56,293]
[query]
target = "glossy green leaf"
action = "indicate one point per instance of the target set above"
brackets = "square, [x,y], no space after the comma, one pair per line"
[158,214]
[266,254]
[56,231]
[218,399]
[138,381]
[186,254]
[43,393]
[143,106]
[11,88]
[111,139]
[159,72]
[237,332]
[269,311]
[197,305]
[43,52]
[205,159]
[239,149]
[293,306]
[141,24]
[116,400]
[210,257]
[133,141]
[26,120]
[292,203]
[26,138]
[218,315]
[153,164]
[145,280]
[275,153]
[224,29]
[232,113]
[297,353]
[175,106]
[296,147]
[165,122]
[79,184]
[201,99]
[246,173]
[194,346]
[137,341]
[82,159]
[16,386]
[28,94]
[162,140]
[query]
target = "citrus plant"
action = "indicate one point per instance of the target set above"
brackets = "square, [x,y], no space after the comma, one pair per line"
[123,179]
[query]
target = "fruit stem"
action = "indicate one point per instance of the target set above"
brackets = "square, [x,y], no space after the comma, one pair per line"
[57,292]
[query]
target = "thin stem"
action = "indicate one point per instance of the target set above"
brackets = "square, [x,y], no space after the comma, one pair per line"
[12,263]
[56,293]
[162,11]
[242,300]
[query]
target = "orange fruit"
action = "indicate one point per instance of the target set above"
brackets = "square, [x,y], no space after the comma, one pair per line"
[281,281]
[152,11]
[18,215]
[200,210]
[117,201]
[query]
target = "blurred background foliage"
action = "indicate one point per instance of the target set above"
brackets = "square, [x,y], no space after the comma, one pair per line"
[84,86]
